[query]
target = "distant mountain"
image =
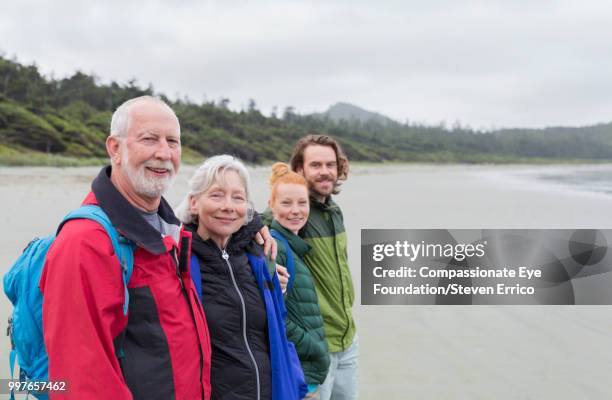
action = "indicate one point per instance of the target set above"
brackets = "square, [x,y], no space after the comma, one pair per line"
[347,111]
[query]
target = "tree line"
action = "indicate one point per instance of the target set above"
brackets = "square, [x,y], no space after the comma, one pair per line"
[70,117]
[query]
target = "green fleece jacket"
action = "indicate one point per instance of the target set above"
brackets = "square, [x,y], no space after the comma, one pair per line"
[328,264]
[304,322]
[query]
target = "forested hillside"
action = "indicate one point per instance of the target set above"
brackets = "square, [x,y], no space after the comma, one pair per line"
[44,120]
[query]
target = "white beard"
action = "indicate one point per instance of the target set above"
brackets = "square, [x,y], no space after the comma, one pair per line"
[148,186]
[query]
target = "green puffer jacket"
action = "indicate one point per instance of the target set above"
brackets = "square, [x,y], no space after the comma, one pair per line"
[304,322]
[328,264]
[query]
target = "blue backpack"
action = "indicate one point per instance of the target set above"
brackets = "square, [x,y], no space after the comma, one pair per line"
[21,287]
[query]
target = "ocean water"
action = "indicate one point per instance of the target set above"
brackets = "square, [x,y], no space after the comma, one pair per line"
[597,179]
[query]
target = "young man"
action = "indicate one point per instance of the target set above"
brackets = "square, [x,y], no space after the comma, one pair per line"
[320,160]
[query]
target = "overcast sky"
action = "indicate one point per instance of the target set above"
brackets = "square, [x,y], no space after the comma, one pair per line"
[486,63]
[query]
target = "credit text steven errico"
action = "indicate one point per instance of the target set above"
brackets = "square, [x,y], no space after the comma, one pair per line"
[459,252]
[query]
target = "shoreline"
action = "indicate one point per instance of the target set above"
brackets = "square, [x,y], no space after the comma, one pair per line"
[15,159]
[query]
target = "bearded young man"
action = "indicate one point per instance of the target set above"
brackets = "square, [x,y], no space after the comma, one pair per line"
[321,161]
[160,348]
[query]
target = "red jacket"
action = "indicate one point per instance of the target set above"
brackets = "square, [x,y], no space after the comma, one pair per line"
[164,336]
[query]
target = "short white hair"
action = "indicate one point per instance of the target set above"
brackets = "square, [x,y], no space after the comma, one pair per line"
[210,172]
[121,120]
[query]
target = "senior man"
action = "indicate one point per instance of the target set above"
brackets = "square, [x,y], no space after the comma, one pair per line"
[160,348]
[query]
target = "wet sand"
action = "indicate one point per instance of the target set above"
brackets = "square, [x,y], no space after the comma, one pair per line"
[422,352]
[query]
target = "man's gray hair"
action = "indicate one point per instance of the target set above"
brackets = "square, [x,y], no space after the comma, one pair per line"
[210,172]
[120,122]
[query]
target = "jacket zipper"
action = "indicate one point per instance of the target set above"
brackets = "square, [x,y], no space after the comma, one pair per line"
[178,275]
[244,334]
[344,305]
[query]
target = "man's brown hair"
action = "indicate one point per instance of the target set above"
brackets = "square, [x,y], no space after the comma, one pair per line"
[297,158]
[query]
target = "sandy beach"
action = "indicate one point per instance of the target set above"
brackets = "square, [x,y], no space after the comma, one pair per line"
[420,352]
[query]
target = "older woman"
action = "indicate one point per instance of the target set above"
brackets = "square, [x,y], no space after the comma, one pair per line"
[251,357]
[290,207]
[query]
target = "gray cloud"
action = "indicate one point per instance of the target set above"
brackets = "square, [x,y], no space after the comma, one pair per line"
[486,63]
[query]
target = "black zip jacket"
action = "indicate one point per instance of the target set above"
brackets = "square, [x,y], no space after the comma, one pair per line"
[236,317]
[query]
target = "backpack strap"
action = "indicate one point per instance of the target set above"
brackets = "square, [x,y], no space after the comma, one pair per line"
[123,247]
[261,271]
[12,357]
[290,262]
[196,275]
